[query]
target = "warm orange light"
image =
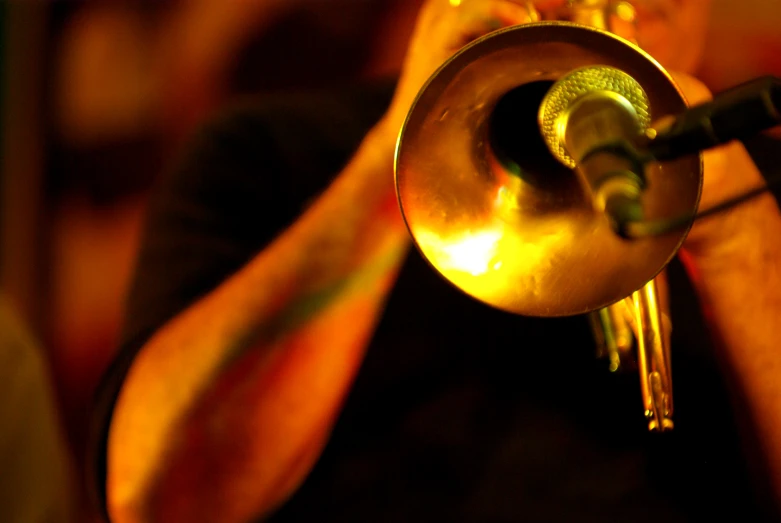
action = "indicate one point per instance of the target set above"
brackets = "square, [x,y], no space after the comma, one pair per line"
[492,264]
[471,253]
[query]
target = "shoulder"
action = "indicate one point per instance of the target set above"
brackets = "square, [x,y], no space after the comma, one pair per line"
[268,154]
[285,123]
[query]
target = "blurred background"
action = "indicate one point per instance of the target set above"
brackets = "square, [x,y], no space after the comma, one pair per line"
[98,96]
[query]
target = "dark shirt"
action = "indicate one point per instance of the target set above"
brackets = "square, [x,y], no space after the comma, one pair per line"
[460,412]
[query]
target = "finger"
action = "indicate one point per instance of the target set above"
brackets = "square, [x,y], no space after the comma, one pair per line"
[695,91]
[508,13]
[516,12]
[480,17]
[511,13]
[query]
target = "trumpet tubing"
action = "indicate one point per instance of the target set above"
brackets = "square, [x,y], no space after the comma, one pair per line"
[639,320]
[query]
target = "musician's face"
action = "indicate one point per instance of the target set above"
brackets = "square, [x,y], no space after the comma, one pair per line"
[672,31]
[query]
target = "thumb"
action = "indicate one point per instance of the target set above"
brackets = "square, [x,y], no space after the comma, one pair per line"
[693,90]
[727,172]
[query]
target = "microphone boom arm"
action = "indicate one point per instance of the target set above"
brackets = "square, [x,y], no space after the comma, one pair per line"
[737,113]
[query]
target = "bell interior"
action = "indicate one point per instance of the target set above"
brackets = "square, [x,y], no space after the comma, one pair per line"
[491,209]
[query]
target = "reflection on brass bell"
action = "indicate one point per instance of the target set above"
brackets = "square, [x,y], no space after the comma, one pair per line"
[493,211]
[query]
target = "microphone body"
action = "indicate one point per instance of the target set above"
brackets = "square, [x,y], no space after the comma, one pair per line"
[601,129]
[586,109]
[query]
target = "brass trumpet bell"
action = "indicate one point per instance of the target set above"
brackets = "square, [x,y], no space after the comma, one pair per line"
[494,212]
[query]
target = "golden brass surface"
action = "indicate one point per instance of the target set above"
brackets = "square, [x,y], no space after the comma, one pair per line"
[517,235]
[653,355]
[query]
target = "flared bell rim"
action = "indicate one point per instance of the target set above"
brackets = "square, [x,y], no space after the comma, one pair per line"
[514,289]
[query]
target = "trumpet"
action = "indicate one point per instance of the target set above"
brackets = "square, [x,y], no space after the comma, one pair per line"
[492,187]
[640,319]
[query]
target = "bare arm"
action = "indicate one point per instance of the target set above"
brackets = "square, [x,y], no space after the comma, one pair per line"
[227,406]
[735,263]
[294,321]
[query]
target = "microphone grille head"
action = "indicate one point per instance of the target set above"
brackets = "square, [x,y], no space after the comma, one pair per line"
[571,87]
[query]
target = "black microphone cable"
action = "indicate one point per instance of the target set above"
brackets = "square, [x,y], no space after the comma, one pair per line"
[644,229]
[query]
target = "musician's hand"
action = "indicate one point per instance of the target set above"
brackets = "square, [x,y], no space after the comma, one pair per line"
[728,172]
[442,28]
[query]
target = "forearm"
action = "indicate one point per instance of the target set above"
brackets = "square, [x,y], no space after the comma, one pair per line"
[289,329]
[278,342]
[739,282]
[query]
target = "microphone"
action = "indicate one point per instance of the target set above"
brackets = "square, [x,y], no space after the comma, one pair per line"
[586,109]
[596,120]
